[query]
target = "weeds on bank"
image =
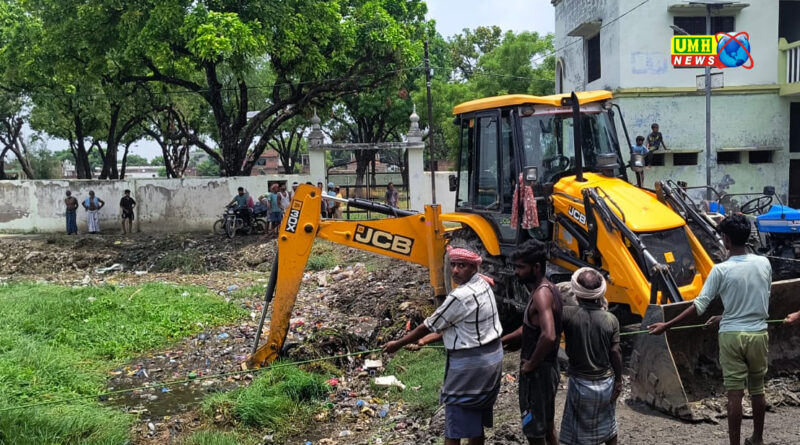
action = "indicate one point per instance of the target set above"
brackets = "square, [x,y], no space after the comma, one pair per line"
[218,438]
[58,342]
[281,400]
[423,370]
[188,261]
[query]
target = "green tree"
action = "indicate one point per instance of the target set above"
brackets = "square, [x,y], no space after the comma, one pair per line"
[208,167]
[290,143]
[272,57]
[136,160]
[509,68]
[156,161]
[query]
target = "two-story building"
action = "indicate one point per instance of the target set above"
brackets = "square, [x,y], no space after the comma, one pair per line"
[624,46]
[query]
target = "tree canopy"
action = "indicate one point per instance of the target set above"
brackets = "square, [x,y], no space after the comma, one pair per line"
[235,78]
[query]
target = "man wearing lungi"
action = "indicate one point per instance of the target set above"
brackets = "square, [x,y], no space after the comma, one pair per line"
[92,205]
[541,327]
[595,364]
[471,330]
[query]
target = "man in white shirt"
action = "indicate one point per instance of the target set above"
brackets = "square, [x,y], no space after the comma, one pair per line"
[470,328]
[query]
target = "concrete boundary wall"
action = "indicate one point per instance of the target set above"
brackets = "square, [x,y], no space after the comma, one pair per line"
[163,205]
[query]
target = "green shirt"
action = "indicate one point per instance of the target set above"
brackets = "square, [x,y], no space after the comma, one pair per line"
[743,283]
[590,332]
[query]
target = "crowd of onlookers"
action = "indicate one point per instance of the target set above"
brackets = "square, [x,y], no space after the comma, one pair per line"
[271,206]
[92,204]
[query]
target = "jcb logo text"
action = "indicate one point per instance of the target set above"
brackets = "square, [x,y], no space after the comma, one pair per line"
[575,213]
[294,216]
[383,240]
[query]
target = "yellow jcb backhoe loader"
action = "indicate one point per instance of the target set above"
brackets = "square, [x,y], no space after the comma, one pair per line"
[565,147]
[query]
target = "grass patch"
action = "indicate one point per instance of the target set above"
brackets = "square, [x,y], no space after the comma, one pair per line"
[253,291]
[325,255]
[188,261]
[423,369]
[59,342]
[217,438]
[281,400]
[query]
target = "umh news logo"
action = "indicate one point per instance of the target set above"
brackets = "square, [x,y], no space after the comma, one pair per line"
[722,50]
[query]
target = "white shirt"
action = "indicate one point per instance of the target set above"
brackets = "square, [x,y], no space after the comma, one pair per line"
[285,199]
[468,317]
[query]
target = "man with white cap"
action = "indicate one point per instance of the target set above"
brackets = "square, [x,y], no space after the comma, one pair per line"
[471,330]
[595,364]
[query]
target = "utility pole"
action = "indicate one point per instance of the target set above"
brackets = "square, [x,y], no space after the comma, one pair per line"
[708,110]
[708,4]
[430,124]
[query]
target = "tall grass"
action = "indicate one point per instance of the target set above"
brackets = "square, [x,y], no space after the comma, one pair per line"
[58,342]
[424,370]
[281,399]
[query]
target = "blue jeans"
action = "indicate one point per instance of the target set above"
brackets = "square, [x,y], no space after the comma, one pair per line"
[72,222]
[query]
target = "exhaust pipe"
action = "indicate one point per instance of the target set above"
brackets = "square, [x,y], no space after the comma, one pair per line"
[576,134]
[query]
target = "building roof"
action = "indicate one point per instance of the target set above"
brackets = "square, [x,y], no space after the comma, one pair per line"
[509,100]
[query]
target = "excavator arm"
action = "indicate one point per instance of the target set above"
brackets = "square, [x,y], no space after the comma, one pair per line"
[408,236]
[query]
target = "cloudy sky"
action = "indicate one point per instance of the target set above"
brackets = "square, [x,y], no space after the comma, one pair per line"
[451,17]
[517,15]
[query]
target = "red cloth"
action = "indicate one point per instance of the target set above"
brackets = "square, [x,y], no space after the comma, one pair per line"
[530,214]
[465,255]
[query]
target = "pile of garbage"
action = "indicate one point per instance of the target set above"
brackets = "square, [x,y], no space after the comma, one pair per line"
[188,253]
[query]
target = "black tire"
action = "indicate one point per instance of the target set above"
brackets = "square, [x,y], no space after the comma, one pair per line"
[260,226]
[511,296]
[230,227]
[219,227]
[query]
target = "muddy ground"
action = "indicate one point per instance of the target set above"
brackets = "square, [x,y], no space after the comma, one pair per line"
[352,306]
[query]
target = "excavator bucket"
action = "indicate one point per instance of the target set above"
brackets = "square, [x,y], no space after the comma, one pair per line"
[674,372]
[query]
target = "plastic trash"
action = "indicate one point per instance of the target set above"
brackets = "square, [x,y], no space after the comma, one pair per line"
[223,336]
[372,364]
[360,403]
[389,380]
[111,268]
[232,287]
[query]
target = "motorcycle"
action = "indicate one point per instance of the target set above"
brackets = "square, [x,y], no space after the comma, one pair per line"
[231,223]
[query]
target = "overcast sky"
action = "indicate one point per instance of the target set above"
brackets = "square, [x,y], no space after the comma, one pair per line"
[451,17]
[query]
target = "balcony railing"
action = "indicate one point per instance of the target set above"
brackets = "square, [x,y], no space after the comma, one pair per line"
[789,67]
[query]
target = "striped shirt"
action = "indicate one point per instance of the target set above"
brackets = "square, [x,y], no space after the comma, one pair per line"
[468,317]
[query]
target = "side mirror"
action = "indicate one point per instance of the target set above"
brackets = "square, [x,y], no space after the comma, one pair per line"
[453,180]
[769,190]
[531,174]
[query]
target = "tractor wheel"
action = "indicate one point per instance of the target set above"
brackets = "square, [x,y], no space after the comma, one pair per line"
[511,296]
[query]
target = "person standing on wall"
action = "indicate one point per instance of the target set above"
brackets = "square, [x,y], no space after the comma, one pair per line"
[655,141]
[72,217]
[641,150]
[126,206]
[92,205]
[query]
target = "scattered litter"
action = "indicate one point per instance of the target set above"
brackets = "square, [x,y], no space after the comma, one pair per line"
[373,364]
[223,336]
[139,273]
[232,287]
[111,268]
[334,382]
[389,380]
